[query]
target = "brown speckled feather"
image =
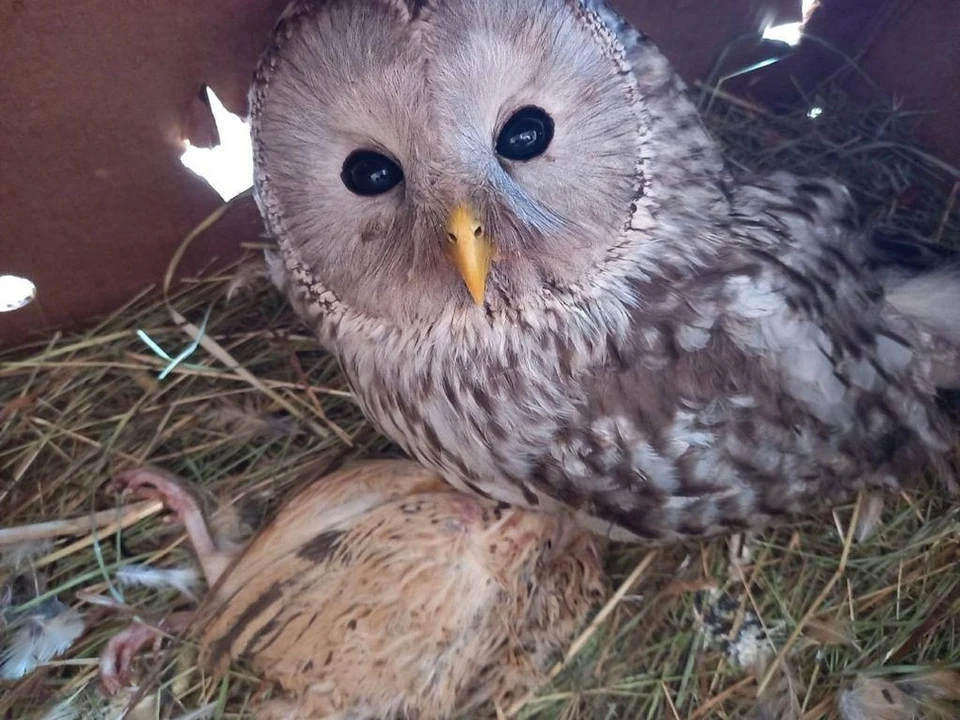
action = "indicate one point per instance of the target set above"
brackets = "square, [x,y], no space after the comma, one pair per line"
[382,591]
[665,348]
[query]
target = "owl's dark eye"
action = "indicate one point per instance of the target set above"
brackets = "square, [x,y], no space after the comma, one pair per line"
[366,172]
[525,135]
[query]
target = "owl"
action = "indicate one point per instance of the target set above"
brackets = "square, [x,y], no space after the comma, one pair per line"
[380,592]
[508,223]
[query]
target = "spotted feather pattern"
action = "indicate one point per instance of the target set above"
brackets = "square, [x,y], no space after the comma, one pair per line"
[730,358]
[381,592]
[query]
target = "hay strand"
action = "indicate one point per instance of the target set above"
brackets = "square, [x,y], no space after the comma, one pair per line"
[77,407]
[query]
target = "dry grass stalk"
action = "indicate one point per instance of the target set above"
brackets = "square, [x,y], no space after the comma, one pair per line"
[75,408]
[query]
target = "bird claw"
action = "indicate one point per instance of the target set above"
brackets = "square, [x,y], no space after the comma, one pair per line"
[150,484]
[117,657]
[167,488]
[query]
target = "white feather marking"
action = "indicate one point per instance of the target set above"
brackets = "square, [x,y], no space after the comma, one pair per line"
[658,469]
[919,419]
[42,636]
[933,300]
[709,465]
[575,467]
[692,338]
[679,503]
[862,374]
[766,459]
[186,580]
[810,379]
[800,350]
[683,436]
[753,298]
[652,337]
[642,219]
[605,430]
[892,355]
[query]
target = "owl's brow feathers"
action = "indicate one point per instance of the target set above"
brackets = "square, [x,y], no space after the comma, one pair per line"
[717,360]
[526,221]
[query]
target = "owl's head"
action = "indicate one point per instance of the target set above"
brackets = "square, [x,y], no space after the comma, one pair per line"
[418,155]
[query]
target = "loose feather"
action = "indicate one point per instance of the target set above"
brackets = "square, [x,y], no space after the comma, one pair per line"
[830,632]
[249,277]
[249,422]
[744,638]
[871,517]
[43,635]
[19,555]
[185,580]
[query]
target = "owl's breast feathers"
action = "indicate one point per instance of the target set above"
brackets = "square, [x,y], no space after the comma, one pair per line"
[702,393]
[776,380]
[732,356]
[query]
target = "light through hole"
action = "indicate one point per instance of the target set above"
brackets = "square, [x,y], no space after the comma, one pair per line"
[228,167]
[15,292]
[791,33]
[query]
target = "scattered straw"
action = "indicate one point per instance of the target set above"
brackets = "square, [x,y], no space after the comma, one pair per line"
[77,526]
[815,605]
[76,408]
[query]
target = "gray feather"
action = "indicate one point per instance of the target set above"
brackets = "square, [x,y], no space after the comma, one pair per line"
[663,348]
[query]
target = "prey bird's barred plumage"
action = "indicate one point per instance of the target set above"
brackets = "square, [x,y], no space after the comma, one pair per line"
[377,592]
[545,284]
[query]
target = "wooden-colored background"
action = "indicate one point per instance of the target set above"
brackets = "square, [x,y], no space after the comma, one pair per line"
[96,95]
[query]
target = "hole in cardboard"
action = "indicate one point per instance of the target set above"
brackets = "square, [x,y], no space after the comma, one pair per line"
[227,167]
[15,292]
[791,33]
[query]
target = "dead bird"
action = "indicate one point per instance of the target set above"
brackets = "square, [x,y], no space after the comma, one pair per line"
[379,591]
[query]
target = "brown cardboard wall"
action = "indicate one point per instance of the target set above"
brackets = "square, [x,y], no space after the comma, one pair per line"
[917,59]
[94,97]
[93,198]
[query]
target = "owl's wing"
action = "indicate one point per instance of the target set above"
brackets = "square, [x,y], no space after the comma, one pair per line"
[780,379]
[677,145]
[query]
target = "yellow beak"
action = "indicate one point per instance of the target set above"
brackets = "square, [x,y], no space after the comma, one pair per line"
[469,250]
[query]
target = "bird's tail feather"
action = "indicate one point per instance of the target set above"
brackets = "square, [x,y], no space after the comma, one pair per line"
[932,299]
[922,282]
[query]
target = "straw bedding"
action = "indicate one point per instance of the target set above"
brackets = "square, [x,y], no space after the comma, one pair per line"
[817,618]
